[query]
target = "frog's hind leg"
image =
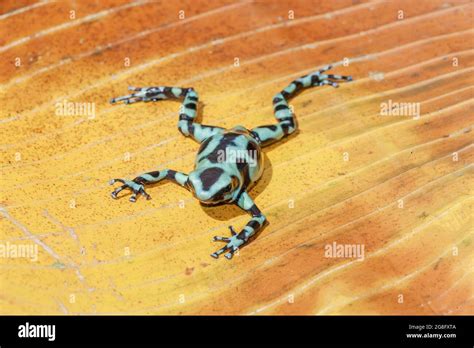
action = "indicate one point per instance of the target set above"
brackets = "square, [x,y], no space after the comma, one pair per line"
[285,117]
[188,110]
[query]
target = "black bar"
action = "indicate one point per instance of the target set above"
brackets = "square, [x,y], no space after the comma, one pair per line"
[290,330]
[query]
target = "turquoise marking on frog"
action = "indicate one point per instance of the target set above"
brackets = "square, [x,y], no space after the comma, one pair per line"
[229,162]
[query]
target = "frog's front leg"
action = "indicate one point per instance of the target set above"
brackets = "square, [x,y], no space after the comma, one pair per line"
[137,185]
[238,239]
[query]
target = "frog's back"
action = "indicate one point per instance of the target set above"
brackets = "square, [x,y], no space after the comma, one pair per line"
[236,152]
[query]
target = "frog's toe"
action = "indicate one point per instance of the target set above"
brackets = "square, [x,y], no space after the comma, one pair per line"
[231,252]
[223,239]
[326,68]
[220,251]
[332,78]
[232,231]
[128,184]
[144,94]
[113,181]
[232,245]
[146,195]
[138,189]
[133,198]
[117,190]
[127,99]
[139,95]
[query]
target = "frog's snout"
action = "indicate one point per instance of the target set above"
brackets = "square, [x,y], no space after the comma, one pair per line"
[205,197]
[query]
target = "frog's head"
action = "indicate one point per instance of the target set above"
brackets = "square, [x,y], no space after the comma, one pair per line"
[212,185]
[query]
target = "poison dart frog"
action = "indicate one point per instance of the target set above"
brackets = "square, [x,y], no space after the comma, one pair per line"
[229,161]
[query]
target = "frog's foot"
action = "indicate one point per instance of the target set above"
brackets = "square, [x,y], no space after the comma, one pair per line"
[321,79]
[141,94]
[233,243]
[132,185]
